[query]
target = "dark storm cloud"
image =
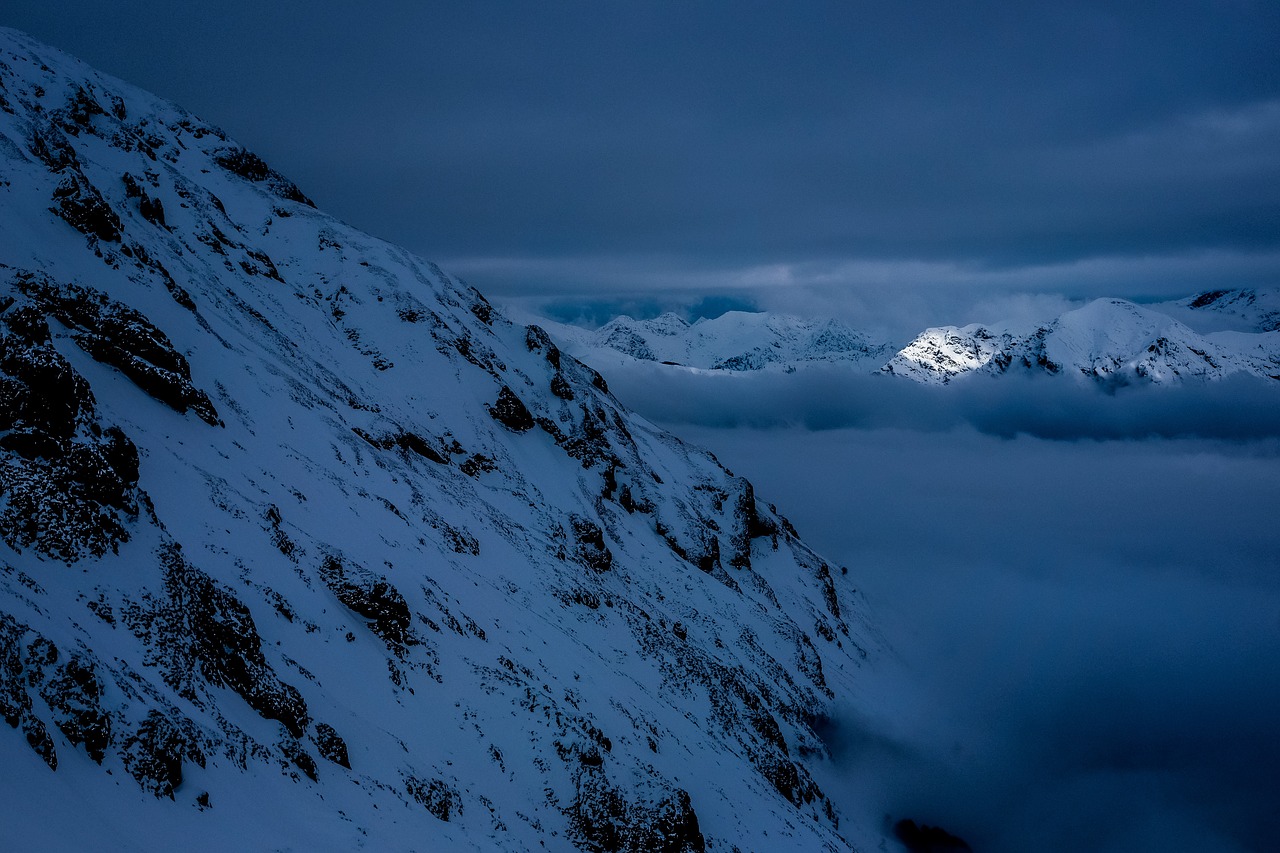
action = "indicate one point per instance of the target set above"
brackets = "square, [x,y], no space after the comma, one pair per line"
[563,137]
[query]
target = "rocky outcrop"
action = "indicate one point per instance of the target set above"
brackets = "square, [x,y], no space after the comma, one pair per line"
[200,634]
[155,752]
[372,597]
[70,482]
[331,745]
[603,820]
[510,412]
[119,336]
[251,167]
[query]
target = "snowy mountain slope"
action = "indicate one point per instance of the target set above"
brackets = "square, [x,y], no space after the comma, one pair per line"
[736,340]
[1109,341]
[307,545]
[1243,310]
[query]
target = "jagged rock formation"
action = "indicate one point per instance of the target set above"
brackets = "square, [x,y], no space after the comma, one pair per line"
[304,538]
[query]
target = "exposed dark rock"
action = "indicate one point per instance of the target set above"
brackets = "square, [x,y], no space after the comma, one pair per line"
[372,597]
[117,335]
[82,107]
[300,758]
[791,780]
[436,795]
[1204,300]
[74,694]
[279,538]
[65,478]
[510,412]
[15,679]
[417,444]
[42,391]
[251,167]
[83,207]
[537,340]
[602,820]
[481,308]
[590,549]
[51,146]
[152,209]
[331,745]
[204,629]
[828,590]
[260,263]
[477,464]
[560,387]
[153,755]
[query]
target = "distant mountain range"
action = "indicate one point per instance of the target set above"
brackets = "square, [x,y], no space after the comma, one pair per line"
[1111,342]
[736,340]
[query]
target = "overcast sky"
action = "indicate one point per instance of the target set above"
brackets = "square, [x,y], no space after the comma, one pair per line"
[802,154]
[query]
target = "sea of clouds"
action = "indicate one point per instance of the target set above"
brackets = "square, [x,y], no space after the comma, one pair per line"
[1081,592]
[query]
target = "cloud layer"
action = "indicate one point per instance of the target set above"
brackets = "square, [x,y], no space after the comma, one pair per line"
[1086,631]
[824,398]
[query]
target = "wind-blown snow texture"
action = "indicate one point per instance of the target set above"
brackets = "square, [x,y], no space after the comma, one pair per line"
[305,542]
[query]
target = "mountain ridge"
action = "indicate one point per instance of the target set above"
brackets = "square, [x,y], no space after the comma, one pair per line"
[305,536]
[1107,341]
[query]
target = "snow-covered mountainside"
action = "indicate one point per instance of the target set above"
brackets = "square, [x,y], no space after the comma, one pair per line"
[1246,310]
[307,545]
[737,340]
[1109,341]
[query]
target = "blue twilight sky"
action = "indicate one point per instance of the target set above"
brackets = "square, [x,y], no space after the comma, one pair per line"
[818,156]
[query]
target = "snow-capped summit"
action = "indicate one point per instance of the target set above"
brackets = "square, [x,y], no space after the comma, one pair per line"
[1108,341]
[736,340]
[304,542]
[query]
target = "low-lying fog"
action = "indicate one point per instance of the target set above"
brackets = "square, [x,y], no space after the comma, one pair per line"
[1086,632]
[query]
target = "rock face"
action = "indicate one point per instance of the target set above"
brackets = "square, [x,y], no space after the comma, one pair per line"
[306,539]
